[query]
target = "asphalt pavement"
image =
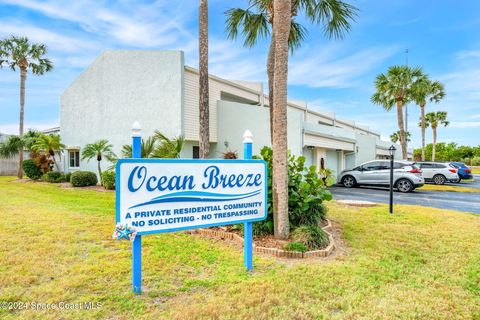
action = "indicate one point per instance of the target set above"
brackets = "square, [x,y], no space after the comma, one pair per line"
[460,201]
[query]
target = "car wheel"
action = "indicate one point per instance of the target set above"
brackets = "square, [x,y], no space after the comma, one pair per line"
[349,182]
[439,179]
[404,185]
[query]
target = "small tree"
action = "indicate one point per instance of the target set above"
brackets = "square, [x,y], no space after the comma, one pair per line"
[13,144]
[168,148]
[147,148]
[99,150]
[50,144]
[435,119]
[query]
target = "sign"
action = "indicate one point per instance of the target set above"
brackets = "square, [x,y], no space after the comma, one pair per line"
[163,195]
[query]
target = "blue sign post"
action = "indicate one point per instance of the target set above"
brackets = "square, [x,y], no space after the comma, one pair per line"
[166,195]
[137,243]
[248,226]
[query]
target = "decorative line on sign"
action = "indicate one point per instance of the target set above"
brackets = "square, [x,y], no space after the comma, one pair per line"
[197,196]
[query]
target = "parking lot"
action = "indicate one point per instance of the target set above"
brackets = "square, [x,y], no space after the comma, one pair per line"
[461,201]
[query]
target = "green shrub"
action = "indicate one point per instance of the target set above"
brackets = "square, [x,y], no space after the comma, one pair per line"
[31,170]
[306,189]
[313,237]
[83,179]
[296,246]
[54,177]
[108,180]
[68,175]
[476,161]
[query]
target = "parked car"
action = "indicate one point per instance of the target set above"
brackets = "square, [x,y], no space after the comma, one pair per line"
[463,171]
[437,172]
[406,175]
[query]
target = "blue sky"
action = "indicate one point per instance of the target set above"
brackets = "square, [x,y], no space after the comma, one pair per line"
[332,75]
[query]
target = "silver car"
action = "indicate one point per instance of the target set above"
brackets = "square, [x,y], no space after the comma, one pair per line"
[406,175]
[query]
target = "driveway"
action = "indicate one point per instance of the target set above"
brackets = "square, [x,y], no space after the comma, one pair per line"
[460,201]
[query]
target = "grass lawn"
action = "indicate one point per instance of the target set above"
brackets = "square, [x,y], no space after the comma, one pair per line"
[446,187]
[55,245]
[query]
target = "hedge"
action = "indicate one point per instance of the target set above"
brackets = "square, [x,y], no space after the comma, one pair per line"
[83,179]
[108,179]
[31,170]
[54,177]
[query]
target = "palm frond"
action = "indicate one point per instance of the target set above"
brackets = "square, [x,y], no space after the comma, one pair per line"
[296,36]
[335,15]
[254,26]
[11,147]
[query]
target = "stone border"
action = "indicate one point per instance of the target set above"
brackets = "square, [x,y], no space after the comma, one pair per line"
[273,251]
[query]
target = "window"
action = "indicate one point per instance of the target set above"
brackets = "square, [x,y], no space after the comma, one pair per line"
[196,152]
[439,166]
[397,165]
[384,165]
[74,158]
[426,165]
[372,166]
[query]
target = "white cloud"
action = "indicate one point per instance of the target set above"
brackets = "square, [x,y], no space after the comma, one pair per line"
[12,128]
[147,26]
[53,40]
[323,68]
[465,124]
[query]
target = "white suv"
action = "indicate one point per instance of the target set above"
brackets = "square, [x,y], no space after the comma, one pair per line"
[437,172]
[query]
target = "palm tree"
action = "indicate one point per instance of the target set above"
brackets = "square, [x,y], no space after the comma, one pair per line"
[19,52]
[395,88]
[395,137]
[98,149]
[435,119]
[281,27]
[13,144]
[168,148]
[256,22]
[147,148]
[204,130]
[425,90]
[50,144]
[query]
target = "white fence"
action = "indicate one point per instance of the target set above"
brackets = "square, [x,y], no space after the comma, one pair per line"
[9,167]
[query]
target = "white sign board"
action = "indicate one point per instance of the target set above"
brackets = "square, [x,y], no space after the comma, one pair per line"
[162,195]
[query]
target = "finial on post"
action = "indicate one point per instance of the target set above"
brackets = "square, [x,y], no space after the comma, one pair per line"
[247,137]
[136,129]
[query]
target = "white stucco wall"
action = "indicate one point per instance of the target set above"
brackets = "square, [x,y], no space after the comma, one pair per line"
[119,88]
[235,118]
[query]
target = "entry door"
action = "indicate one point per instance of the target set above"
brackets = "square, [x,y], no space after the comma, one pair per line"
[320,154]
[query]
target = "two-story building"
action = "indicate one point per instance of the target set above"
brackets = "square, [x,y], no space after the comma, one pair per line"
[156,89]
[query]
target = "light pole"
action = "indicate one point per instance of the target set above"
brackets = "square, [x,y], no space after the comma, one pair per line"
[391,151]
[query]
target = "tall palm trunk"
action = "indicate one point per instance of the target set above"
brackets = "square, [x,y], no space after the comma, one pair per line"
[204,130]
[23,78]
[401,126]
[55,163]
[270,73]
[422,119]
[434,129]
[100,172]
[281,25]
